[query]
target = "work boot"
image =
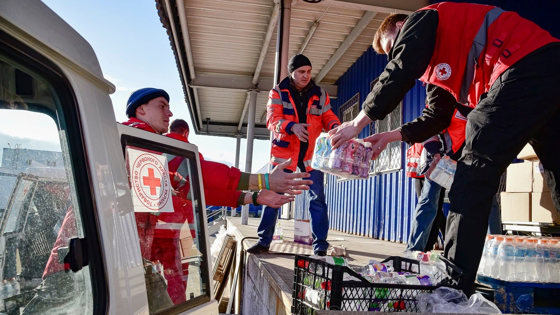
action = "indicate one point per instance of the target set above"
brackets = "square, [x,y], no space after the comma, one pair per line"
[257,249]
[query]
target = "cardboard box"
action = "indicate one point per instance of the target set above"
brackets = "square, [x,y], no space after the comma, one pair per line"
[539,183]
[542,209]
[527,153]
[516,207]
[520,177]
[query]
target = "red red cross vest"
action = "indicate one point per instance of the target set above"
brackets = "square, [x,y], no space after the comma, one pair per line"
[475,44]
[413,160]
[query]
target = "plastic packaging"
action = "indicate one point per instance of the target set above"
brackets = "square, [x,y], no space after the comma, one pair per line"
[278,236]
[351,160]
[449,300]
[444,172]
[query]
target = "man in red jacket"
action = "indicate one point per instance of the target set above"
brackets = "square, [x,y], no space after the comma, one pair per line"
[503,67]
[148,109]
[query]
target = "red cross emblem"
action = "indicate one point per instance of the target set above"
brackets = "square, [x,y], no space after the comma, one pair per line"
[151,181]
[443,71]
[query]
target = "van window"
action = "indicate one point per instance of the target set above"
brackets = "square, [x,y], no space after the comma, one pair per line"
[39,208]
[166,195]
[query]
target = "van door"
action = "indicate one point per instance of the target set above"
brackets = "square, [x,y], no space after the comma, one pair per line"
[48,220]
[169,206]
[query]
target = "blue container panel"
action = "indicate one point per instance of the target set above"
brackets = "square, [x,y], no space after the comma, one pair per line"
[381,206]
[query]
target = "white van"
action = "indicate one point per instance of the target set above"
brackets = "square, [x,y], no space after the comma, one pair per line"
[69,240]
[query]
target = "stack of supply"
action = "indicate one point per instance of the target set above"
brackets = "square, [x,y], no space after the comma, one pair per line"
[521,259]
[351,160]
[524,273]
[527,197]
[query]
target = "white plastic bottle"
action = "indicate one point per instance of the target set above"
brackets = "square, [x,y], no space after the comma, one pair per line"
[505,257]
[555,260]
[485,253]
[278,236]
[531,273]
[493,262]
[519,264]
[543,260]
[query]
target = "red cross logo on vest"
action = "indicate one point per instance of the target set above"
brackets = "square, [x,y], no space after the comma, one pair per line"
[443,71]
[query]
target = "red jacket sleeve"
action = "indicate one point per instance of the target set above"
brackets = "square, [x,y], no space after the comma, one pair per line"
[218,176]
[226,198]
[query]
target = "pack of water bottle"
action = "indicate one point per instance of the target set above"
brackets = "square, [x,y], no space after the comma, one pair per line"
[431,271]
[351,160]
[521,258]
[444,172]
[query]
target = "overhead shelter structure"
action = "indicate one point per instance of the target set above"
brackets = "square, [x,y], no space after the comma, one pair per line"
[229,53]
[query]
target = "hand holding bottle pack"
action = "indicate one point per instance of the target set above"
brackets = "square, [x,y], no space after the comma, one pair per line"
[351,160]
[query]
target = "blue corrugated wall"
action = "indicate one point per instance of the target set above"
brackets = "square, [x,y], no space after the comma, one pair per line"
[381,206]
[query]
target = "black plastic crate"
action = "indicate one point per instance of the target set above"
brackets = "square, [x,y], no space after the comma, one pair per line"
[327,284]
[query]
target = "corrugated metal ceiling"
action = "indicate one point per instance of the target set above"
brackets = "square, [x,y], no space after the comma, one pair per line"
[224,48]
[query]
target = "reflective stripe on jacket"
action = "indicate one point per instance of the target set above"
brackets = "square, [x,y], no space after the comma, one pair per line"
[282,115]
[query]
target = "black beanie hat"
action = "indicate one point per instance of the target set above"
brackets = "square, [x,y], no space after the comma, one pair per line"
[141,97]
[298,61]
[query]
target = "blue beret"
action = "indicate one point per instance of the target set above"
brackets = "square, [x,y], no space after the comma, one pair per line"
[143,96]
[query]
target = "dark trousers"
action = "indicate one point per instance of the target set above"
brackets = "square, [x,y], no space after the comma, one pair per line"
[523,105]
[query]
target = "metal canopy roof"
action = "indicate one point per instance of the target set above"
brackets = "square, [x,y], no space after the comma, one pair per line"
[226,48]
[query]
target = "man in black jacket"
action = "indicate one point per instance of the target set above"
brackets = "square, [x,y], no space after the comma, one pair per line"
[503,66]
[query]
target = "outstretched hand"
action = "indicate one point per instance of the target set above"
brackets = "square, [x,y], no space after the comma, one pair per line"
[272,199]
[343,133]
[300,130]
[290,183]
[379,141]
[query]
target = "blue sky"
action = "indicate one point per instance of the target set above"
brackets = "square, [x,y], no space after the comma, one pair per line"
[134,52]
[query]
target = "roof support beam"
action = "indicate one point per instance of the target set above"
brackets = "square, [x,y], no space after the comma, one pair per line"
[188,53]
[264,49]
[358,29]
[241,82]
[383,6]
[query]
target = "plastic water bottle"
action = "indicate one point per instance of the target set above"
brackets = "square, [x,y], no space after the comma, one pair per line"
[555,260]
[485,254]
[519,264]
[543,260]
[505,257]
[278,236]
[493,262]
[531,261]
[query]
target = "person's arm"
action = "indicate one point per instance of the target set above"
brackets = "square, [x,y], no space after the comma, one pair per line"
[440,106]
[408,59]
[279,181]
[266,198]
[275,119]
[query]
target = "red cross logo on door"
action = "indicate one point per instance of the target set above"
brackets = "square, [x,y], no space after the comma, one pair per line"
[151,181]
